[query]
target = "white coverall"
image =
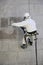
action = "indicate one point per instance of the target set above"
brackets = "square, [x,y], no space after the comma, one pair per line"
[29,24]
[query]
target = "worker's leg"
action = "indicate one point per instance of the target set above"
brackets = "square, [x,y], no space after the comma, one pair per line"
[24,40]
[29,39]
[24,43]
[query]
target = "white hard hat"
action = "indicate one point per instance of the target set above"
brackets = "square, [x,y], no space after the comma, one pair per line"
[26,15]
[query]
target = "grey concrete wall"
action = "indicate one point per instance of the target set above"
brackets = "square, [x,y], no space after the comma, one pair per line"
[13,8]
[11,38]
[17,8]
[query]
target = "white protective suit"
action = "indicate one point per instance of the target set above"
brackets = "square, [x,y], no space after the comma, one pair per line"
[29,24]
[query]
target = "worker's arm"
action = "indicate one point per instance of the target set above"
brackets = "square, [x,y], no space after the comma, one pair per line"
[19,24]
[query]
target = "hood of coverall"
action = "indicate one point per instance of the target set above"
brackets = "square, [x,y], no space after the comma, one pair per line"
[26,15]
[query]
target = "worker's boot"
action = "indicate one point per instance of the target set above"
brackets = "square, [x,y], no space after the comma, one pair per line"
[24,46]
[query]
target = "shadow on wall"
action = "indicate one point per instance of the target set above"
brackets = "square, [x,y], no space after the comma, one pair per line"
[7,31]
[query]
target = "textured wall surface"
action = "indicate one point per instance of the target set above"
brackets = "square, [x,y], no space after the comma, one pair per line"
[17,8]
[11,37]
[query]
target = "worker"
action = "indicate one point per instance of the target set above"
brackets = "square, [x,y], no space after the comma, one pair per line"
[28,25]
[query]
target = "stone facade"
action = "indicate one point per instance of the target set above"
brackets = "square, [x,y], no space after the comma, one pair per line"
[11,38]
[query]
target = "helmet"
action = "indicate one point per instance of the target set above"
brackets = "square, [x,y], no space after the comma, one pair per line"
[26,15]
